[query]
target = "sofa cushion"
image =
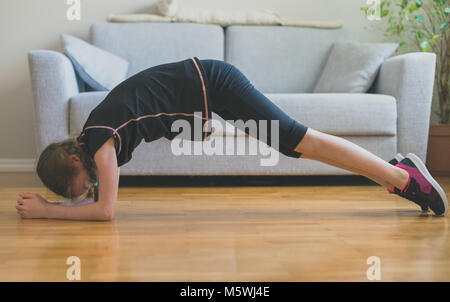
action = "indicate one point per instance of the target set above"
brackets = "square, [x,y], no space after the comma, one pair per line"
[357,114]
[338,113]
[353,66]
[80,106]
[342,113]
[149,44]
[98,68]
[280,59]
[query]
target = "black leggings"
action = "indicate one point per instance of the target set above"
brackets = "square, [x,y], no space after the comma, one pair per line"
[233,97]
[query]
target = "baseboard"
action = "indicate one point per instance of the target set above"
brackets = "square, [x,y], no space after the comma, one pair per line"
[17,164]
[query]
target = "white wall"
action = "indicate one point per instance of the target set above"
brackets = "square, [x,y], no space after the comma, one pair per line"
[37,24]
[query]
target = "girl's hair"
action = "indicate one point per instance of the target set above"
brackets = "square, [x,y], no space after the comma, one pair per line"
[55,171]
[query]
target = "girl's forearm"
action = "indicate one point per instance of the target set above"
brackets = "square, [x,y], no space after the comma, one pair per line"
[90,211]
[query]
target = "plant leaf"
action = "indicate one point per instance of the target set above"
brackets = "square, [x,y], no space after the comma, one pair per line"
[434,38]
[420,18]
[419,35]
[404,3]
[443,25]
[425,46]
[436,10]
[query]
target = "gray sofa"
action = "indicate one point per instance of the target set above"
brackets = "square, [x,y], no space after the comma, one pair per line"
[282,62]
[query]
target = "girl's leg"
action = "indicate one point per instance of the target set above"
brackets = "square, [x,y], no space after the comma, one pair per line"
[343,153]
[234,97]
[376,179]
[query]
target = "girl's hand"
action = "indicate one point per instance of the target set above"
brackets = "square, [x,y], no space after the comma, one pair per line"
[31,206]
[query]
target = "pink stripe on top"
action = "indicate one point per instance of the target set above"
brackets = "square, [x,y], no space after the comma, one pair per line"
[204,93]
[114,132]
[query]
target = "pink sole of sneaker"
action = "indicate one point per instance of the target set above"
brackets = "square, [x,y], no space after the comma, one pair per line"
[423,169]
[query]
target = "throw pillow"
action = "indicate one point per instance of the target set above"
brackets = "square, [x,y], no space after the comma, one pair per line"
[100,69]
[353,66]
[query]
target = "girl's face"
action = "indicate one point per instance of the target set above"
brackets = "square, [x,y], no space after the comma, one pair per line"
[81,182]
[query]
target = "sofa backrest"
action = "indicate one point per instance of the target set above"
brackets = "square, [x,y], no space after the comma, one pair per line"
[281,59]
[276,59]
[150,44]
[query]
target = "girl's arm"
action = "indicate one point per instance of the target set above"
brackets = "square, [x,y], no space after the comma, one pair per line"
[108,182]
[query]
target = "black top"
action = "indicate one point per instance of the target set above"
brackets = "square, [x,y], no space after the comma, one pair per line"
[144,106]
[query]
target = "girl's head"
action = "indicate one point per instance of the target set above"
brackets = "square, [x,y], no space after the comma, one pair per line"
[66,169]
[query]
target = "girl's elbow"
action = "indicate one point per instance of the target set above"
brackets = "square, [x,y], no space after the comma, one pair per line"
[106,210]
[108,215]
[105,213]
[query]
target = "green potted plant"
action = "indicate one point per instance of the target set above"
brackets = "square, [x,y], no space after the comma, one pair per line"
[424,26]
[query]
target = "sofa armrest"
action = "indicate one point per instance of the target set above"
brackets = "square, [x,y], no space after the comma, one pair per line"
[53,82]
[410,79]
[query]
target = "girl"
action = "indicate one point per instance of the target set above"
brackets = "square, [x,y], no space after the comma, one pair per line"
[144,106]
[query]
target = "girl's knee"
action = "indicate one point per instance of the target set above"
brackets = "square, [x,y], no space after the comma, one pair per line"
[310,143]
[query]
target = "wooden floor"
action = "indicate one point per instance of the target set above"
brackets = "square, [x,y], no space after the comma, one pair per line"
[230,233]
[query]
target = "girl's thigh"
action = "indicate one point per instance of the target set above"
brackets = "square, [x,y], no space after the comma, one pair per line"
[238,99]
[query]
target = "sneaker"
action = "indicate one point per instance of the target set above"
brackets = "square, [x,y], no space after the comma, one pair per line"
[421,187]
[398,158]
